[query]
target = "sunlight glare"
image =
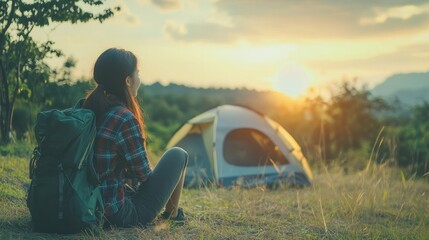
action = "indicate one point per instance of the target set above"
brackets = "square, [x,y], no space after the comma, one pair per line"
[292,80]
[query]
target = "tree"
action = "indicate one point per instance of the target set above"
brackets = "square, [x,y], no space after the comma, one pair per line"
[346,120]
[412,141]
[63,75]
[21,58]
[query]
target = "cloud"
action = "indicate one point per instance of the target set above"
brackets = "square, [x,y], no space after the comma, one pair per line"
[126,15]
[168,5]
[402,12]
[415,55]
[311,20]
[175,29]
[406,58]
[210,32]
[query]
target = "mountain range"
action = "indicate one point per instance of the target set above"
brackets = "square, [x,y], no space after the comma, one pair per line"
[407,88]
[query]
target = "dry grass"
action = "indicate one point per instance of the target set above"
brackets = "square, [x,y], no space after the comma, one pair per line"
[374,204]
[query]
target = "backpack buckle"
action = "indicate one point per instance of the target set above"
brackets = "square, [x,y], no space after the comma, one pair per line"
[33,161]
[36,153]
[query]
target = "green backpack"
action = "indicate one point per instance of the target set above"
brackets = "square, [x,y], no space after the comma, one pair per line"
[64,196]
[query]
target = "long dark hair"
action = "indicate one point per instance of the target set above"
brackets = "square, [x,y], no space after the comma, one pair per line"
[111,69]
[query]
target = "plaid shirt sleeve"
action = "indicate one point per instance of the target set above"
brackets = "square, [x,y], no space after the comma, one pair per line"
[131,144]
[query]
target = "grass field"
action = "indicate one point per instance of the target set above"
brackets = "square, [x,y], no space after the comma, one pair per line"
[380,203]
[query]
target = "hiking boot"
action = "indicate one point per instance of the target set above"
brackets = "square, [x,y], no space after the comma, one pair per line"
[178,220]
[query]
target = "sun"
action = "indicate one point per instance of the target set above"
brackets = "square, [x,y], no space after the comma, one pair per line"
[292,79]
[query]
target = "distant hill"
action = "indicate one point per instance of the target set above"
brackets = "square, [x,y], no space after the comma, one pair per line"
[408,88]
[168,106]
[258,100]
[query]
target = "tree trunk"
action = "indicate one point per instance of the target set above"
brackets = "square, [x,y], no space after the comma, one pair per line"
[7,125]
[5,108]
[5,121]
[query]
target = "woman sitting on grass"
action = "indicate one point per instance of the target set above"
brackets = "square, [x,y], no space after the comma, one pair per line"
[120,149]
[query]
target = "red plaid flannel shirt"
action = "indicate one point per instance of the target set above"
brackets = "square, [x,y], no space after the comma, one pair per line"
[119,153]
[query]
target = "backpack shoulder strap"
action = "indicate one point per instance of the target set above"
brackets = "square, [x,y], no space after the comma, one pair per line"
[79,103]
[116,108]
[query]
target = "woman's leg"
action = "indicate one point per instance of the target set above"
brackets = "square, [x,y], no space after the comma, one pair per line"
[162,186]
[173,203]
[127,216]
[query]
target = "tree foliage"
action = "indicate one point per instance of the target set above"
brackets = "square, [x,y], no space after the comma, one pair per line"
[22,66]
[345,121]
[411,141]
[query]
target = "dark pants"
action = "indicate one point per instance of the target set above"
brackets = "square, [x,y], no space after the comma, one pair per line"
[152,195]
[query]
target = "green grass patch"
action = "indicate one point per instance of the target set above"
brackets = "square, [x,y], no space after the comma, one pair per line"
[20,149]
[373,204]
[13,178]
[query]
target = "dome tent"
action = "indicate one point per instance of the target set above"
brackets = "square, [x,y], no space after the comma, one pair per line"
[231,144]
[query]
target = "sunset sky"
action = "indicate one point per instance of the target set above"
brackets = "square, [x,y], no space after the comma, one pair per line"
[279,44]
